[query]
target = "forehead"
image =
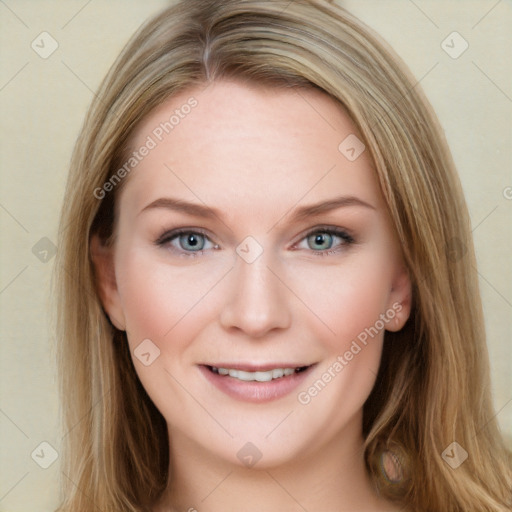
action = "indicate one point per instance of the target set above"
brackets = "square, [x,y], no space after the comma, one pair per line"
[233,145]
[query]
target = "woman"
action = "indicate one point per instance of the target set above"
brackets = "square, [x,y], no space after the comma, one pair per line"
[267,295]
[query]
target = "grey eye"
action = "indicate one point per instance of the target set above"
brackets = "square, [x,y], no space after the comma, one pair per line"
[192,241]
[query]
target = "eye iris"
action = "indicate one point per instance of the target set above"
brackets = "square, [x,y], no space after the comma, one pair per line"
[323,239]
[192,241]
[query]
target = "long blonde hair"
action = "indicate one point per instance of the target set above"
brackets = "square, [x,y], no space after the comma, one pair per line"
[433,387]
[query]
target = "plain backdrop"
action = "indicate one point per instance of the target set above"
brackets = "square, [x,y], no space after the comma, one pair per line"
[43,102]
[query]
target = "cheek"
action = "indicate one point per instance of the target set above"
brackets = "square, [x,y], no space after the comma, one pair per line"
[351,301]
[169,305]
[158,298]
[348,297]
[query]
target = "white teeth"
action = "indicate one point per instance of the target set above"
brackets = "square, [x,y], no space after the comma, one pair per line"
[241,375]
[277,373]
[255,376]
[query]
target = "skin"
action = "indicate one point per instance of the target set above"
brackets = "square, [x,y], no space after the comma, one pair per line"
[256,155]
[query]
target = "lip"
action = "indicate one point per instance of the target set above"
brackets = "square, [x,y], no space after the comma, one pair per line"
[252,367]
[253,391]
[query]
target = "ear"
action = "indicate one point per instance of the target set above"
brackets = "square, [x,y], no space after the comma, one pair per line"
[103,260]
[400,299]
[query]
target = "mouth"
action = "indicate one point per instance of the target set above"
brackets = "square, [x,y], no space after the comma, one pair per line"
[256,383]
[258,375]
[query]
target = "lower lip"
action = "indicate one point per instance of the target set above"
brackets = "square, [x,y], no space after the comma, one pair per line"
[253,391]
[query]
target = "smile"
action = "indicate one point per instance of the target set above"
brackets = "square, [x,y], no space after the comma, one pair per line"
[259,376]
[257,384]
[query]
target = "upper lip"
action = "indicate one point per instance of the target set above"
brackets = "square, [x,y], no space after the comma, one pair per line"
[252,367]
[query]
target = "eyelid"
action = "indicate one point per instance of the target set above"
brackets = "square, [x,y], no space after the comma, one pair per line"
[335,230]
[346,240]
[164,241]
[173,233]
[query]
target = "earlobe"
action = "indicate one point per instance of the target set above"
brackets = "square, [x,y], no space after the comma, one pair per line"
[400,299]
[106,284]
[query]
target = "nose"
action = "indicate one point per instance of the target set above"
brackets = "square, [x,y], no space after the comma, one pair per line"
[256,302]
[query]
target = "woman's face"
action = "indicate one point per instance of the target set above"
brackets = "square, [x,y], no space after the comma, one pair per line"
[252,240]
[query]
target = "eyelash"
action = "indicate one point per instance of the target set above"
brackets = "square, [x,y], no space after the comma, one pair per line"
[169,236]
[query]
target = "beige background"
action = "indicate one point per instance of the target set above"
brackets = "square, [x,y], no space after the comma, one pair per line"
[43,102]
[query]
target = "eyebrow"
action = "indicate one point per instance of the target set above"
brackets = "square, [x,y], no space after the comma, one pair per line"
[299,214]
